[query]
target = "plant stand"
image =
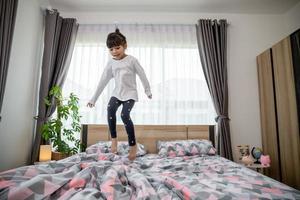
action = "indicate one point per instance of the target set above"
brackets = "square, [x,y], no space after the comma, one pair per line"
[58,155]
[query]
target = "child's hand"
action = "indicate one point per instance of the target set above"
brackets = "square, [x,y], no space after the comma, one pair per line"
[150,96]
[90,105]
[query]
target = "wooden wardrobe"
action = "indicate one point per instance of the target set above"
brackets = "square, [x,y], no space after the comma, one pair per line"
[279,93]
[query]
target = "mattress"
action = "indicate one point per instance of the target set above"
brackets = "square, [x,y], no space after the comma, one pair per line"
[109,176]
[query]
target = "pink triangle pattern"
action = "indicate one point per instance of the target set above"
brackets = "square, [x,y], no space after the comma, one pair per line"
[31,172]
[194,150]
[17,193]
[49,187]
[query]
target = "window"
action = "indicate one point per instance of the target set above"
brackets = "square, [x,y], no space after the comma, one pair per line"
[170,58]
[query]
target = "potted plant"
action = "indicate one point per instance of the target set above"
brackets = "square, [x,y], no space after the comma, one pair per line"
[56,130]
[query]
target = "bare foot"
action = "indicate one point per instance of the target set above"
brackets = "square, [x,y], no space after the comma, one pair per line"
[114,145]
[132,152]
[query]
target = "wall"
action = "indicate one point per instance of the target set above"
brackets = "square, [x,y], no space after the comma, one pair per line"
[292,19]
[16,127]
[248,35]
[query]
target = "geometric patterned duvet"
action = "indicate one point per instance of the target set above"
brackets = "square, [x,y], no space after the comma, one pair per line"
[108,176]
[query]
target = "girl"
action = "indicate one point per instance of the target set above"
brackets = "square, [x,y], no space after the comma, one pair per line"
[123,68]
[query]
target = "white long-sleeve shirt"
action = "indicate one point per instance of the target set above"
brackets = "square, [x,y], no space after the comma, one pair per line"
[124,72]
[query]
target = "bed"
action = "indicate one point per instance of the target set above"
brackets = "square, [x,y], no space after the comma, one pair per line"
[151,176]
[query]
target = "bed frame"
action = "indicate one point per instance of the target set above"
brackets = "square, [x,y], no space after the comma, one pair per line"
[148,135]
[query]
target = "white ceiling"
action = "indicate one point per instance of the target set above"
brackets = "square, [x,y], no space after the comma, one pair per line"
[204,6]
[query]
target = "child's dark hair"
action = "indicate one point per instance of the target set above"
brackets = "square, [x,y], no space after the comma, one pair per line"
[115,39]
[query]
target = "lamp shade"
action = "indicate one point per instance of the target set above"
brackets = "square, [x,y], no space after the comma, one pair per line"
[45,153]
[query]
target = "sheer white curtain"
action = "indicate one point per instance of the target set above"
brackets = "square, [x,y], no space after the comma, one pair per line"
[169,55]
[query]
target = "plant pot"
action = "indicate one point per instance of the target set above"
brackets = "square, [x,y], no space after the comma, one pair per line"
[58,155]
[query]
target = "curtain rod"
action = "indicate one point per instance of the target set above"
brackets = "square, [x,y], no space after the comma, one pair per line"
[117,23]
[132,23]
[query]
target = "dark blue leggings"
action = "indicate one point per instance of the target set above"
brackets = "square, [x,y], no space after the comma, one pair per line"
[112,108]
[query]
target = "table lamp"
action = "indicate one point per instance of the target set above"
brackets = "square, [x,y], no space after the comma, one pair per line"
[45,153]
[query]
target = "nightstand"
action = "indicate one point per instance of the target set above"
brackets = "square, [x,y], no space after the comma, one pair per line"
[258,167]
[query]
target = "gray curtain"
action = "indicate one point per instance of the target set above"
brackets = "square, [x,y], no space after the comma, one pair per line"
[212,44]
[59,43]
[8,11]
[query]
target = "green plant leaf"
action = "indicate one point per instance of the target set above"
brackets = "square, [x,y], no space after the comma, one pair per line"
[67,109]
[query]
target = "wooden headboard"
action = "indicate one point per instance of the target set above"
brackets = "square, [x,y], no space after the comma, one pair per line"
[148,135]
